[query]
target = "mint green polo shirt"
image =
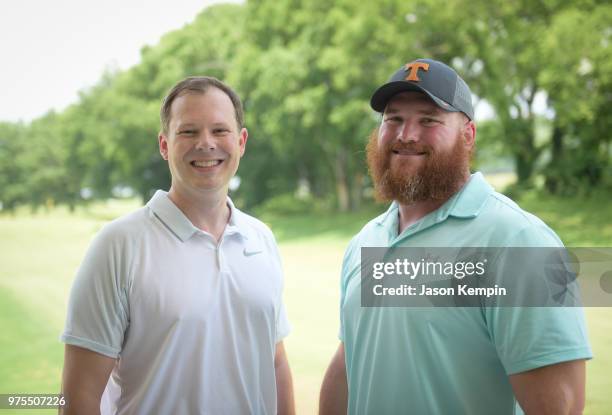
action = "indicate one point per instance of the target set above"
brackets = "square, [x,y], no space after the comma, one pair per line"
[451,360]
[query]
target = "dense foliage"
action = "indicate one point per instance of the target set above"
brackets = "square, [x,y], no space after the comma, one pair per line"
[306,70]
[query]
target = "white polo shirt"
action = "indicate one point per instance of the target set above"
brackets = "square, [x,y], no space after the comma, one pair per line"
[193,323]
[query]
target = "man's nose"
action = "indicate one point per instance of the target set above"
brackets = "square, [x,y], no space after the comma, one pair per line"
[205,141]
[408,132]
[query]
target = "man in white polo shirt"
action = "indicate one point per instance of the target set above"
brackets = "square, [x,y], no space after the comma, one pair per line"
[177,307]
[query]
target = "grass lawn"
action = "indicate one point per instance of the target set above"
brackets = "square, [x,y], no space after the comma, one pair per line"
[39,255]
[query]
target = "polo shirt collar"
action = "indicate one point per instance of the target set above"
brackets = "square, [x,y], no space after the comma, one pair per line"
[469,201]
[390,217]
[466,203]
[237,223]
[180,225]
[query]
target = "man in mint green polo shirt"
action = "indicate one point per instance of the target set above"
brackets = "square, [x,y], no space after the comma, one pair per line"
[447,360]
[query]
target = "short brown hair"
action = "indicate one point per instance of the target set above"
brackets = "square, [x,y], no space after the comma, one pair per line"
[198,84]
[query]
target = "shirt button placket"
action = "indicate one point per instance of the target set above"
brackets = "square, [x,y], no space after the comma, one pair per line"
[220,258]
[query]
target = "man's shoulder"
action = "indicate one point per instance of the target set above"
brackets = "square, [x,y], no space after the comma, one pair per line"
[374,225]
[130,225]
[372,233]
[508,212]
[516,223]
[252,224]
[119,239]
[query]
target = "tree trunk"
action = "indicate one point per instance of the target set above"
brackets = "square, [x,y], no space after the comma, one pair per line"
[525,154]
[357,190]
[342,188]
[524,168]
[553,172]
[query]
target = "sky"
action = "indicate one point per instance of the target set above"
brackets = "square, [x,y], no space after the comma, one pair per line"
[50,50]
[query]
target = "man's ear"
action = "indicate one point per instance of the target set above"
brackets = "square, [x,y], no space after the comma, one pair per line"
[162,139]
[469,134]
[243,136]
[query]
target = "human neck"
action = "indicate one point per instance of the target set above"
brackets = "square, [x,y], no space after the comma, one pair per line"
[207,211]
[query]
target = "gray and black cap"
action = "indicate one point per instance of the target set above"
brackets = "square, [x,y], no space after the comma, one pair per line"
[439,81]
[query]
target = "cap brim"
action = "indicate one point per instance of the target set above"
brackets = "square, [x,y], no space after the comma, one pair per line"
[382,95]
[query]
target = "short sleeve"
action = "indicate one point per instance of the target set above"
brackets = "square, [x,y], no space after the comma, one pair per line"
[345,274]
[530,337]
[97,316]
[283,328]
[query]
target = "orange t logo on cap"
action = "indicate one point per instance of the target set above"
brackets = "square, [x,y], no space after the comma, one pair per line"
[413,70]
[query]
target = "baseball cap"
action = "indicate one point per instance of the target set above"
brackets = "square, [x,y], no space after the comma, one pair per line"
[436,79]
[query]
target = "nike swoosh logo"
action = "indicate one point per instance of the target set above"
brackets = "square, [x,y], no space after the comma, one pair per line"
[250,253]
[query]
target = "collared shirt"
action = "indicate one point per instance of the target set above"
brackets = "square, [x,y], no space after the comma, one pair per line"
[451,360]
[194,323]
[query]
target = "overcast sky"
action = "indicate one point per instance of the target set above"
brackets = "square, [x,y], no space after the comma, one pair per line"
[49,50]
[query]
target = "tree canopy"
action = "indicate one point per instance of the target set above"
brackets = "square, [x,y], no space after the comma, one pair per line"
[306,70]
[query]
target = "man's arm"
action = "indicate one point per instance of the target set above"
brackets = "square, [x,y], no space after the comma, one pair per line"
[84,379]
[284,384]
[334,391]
[555,389]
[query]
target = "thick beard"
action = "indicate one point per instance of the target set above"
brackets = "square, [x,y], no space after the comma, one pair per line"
[441,176]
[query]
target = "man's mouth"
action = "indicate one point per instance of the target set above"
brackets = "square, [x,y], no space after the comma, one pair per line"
[409,152]
[206,163]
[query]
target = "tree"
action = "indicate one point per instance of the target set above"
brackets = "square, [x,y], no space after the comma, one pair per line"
[579,85]
[12,193]
[311,71]
[306,71]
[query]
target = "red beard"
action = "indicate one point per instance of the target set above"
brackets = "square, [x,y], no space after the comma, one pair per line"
[439,177]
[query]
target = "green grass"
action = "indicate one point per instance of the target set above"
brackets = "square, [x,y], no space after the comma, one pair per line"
[40,253]
[578,221]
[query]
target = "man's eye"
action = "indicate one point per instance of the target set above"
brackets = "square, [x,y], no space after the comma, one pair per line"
[393,120]
[430,121]
[187,132]
[221,131]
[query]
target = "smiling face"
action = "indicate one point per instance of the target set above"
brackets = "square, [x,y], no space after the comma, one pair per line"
[420,152]
[203,144]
